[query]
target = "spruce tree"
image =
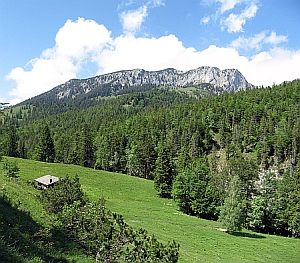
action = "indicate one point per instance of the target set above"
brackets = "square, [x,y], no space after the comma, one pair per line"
[231,215]
[164,172]
[45,151]
[75,152]
[86,148]
[12,143]
[246,170]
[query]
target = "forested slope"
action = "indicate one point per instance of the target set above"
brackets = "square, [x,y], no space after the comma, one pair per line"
[253,134]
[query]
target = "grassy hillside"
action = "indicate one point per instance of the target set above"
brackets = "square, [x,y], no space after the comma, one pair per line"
[136,199]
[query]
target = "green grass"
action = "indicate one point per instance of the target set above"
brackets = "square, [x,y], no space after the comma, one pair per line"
[136,200]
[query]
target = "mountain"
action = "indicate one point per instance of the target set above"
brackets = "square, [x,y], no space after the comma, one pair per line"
[211,79]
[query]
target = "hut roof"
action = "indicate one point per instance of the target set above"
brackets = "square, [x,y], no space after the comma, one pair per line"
[47,180]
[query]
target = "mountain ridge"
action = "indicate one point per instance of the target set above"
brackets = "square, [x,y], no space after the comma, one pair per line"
[109,84]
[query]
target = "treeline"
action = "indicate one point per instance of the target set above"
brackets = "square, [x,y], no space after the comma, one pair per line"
[190,148]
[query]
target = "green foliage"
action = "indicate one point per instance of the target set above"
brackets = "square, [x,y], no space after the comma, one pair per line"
[45,150]
[65,192]
[137,201]
[2,108]
[11,147]
[264,212]
[276,208]
[247,131]
[287,207]
[258,217]
[247,171]
[106,236]
[164,172]
[84,148]
[194,193]
[231,214]
[22,239]
[11,168]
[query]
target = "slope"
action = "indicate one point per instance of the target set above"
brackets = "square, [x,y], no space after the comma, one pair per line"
[136,199]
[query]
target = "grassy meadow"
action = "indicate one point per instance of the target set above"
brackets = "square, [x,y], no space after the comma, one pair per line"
[135,198]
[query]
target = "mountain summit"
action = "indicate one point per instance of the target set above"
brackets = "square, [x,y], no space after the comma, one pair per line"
[218,81]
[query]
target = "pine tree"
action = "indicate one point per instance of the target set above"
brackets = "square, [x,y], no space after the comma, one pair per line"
[65,192]
[74,155]
[45,150]
[86,148]
[164,172]
[231,215]
[12,143]
[246,170]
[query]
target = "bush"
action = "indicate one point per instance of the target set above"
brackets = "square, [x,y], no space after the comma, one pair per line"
[11,168]
[105,236]
[64,192]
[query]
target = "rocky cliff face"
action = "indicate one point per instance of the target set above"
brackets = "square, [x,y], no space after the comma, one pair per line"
[221,80]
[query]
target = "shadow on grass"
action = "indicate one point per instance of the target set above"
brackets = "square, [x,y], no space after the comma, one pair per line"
[245,234]
[23,240]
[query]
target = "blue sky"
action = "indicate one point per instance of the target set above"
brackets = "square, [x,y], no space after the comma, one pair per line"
[44,43]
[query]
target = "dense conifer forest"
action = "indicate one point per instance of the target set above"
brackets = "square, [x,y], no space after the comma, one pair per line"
[191,146]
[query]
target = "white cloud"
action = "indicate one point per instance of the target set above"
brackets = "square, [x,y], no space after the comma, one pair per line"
[275,40]
[258,40]
[76,39]
[155,3]
[205,20]
[91,42]
[227,5]
[132,20]
[75,42]
[234,23]
[274,66]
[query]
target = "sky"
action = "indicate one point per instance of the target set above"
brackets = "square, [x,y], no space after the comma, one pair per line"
[44,43]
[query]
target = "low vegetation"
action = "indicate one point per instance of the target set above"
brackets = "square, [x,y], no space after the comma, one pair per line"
[134,198]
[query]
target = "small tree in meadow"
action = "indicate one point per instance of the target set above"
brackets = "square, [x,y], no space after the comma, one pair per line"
[11,168]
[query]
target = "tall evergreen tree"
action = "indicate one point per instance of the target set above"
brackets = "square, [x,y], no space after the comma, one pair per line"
[164,172]
[12,142]
[86,150]
[1,114]
[231,215]
[247,171]
[75,151]
[45,150]
[287,221]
